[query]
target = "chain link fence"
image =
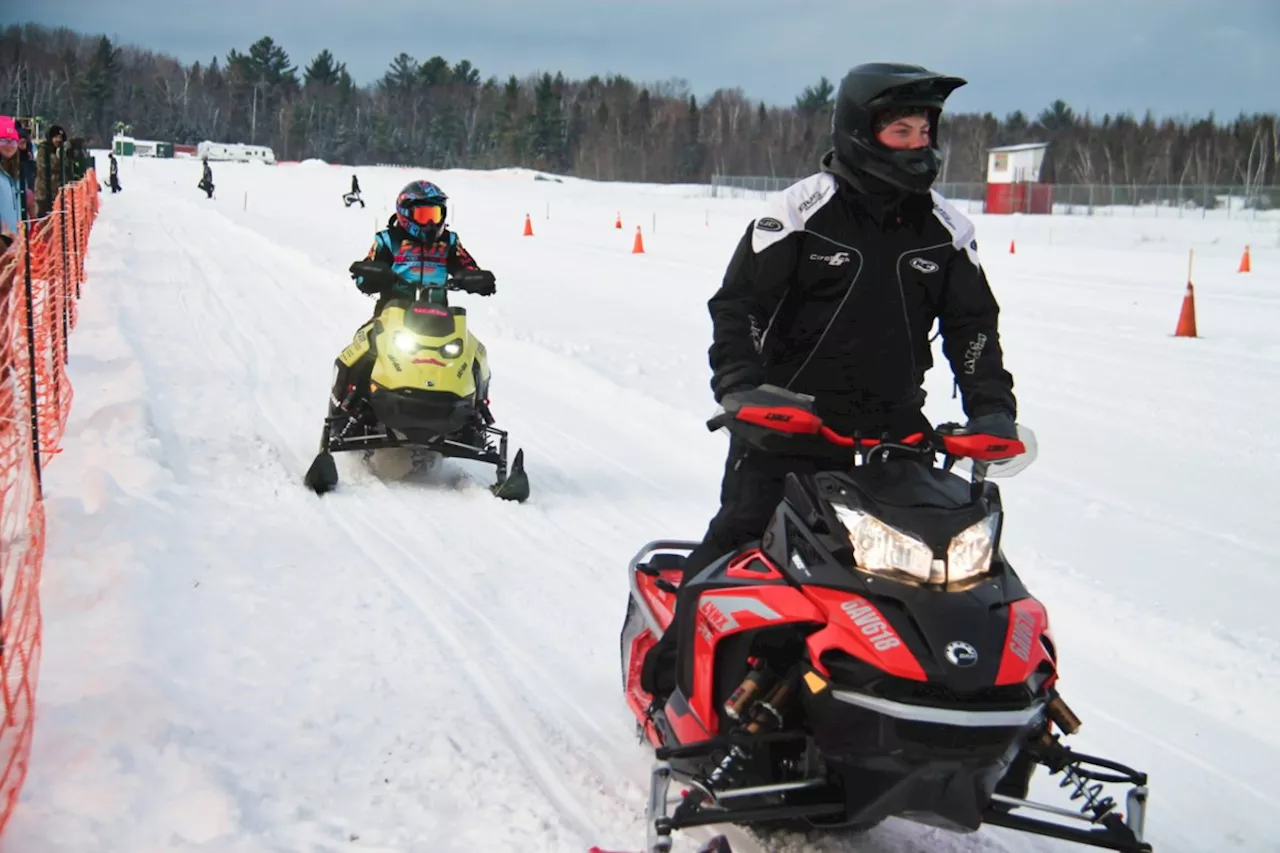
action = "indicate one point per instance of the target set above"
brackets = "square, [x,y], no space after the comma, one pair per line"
[1154,200]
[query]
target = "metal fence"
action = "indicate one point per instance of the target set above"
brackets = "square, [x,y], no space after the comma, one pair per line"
[1154,200]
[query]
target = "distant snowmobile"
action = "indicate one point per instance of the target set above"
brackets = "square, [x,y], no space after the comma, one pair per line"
[428,389]
[873,655]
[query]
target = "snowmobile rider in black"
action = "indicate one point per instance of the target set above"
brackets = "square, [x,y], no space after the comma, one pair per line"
[833,293]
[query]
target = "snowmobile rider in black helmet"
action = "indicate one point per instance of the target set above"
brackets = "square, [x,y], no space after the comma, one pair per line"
[833,293]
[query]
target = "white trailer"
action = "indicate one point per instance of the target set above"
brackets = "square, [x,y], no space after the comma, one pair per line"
[236,152]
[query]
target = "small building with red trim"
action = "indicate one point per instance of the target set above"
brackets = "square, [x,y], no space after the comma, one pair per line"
[1013,179]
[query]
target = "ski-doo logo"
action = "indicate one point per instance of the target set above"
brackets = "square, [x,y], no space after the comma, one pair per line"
[812,200]
[838,259]
[1022,635]
[768,223]
[961,654]
[973,353]
[923,265]
[872,624]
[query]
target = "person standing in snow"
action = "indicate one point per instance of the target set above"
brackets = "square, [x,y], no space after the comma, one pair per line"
[115,173]
[206,179]
[27,171]
[352,197]
[833,292]
[51,170]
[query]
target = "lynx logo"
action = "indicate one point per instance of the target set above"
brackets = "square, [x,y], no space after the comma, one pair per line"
[961,654]
[942,214]
[1020,638]
[973,353]
[923,265]
[835,260]
[873,626]
[812,200]
[719,610]
[768,223]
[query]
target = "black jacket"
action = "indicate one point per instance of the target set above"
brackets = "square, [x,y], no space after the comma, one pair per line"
[834,293]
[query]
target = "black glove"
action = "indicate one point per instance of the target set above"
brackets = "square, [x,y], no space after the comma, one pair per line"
[479,282]
[998,424]
[738,376]
[372,277]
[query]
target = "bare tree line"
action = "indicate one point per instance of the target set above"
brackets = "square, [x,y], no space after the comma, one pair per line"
[438,114]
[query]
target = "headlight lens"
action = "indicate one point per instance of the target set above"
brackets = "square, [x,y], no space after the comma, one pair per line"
[884,550]
[453,349]
[405,342]
[970,552]
[881,549]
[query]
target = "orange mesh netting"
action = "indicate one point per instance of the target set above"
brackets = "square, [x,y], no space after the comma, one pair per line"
[40,279]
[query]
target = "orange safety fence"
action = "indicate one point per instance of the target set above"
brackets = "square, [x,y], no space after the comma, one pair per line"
[40,279]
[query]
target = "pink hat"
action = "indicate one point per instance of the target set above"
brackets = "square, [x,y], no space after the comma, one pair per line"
[8,129]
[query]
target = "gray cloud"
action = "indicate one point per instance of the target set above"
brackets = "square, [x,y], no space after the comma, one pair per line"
[1175,57]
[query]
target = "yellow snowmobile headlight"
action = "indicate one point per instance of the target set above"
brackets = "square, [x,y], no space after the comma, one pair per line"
[405,342]
[453,349]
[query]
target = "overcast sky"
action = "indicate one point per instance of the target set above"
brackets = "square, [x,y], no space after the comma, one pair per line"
[1175,57]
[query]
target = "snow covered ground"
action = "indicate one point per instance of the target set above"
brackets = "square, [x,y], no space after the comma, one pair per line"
[234,665]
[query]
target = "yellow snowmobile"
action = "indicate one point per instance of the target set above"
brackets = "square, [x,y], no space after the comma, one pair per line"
[427,389]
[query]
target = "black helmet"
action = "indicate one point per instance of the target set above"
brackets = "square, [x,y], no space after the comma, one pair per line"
[868,91]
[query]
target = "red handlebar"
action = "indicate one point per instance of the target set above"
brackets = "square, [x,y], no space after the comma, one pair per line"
[797,421]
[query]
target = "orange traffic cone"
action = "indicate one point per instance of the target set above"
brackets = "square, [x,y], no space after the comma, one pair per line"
[528,226]
[618,224]
[1244,261]
[1187,319]
[1013,249]
[638,248]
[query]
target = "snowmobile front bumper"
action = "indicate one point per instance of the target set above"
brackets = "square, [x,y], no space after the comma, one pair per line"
[421,414]
[344,433]
[821,801]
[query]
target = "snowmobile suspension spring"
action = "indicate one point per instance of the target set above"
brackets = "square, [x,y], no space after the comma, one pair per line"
[1094,801]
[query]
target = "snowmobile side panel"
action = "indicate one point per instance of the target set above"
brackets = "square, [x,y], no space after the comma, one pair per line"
[359,346]
[1025,649]
[855,623]
[728,611]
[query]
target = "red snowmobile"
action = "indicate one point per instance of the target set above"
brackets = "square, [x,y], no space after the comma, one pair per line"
[873,655]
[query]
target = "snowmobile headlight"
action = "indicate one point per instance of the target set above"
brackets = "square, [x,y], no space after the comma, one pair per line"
[883,550]
[970,552]
[405,342]
[453,349]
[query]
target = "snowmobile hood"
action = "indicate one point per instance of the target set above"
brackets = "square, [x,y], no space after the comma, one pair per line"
[905,484]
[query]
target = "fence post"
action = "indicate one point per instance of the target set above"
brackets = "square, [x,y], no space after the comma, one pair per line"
[75,241]
[66,295]
[31,354]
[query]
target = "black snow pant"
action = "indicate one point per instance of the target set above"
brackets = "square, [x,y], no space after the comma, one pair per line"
[750,491]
